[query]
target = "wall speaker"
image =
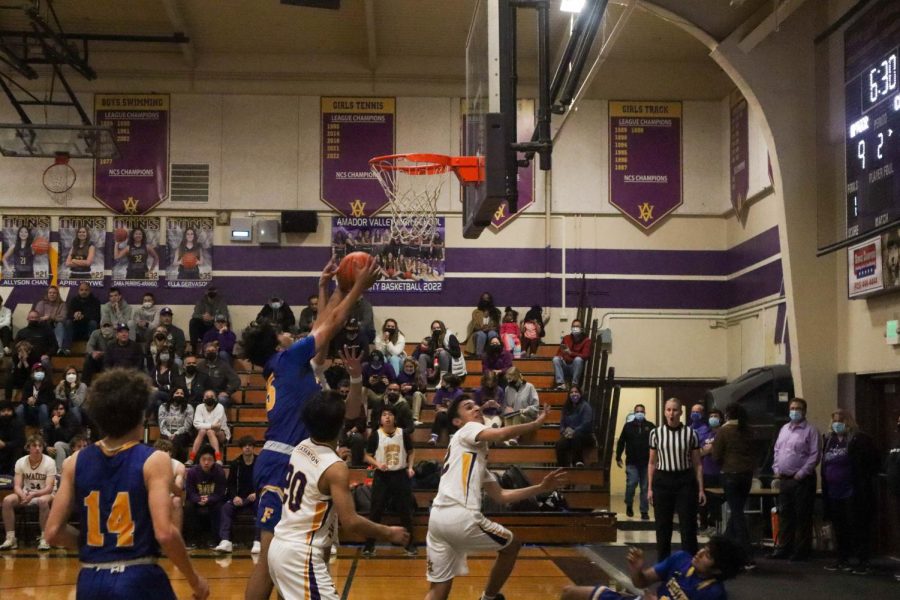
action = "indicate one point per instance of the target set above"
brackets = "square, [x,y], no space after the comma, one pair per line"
[268,232]
[299,221]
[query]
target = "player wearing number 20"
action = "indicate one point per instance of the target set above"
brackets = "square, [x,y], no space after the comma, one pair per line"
[122,490]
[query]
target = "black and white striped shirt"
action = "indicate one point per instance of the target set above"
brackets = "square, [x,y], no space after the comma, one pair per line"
[673,447]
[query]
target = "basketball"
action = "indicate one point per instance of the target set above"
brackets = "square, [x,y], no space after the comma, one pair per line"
[349,268]
[40,246]
[189,260]
[121,234]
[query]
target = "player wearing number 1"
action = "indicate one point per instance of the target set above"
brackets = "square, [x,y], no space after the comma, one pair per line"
[121,488]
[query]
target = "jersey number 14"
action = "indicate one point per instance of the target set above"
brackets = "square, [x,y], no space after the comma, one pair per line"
[119,522]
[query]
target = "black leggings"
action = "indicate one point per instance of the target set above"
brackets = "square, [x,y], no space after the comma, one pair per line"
[675,492]
[385,486]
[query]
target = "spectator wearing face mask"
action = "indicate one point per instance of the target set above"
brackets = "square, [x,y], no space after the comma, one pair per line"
[490,398]
[165,378]
[796,457]
[95,350]
[575,430]
[706,430]
[448,391]
[572,355]
[352,337]
[222,334]
[410,387]
[378,368]
[176,421]
[520,401]
[37,394]
[365,317]
[83,315]
[485,324]
[394,400]
[392,343]
[277,312]
[211,425]
[434,353]
[195,381]
[634,441]
[203,318]
[39,335]
[221,377]
[145,318]
[62,427]
[176,334]
[72,392]
[497,360]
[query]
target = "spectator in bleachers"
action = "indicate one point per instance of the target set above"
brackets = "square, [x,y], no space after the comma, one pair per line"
[709,512]
[220,375]
[157,343]
[37,395]
[362,312]
[177,492]
[411,388]
[95,351]
[117,309]
[520,401]
[6,334]
[35,474]
[195,381]
[51,311]
[12,438]
[73,393]
[240,495]
[39,335]
[634,440]
[82,316]
[308,314]
[390,452]
[392,344]
[205,310]
[62,428]
[402,412]
[532,330]
[165,378]
[176,334]
[572,355]
[575,430]
[448,391]
[490,398]
[144,318]
[123,352]
[497,360]
[221,334]
[204,489]
[176,420]
[433,355]
[335,373]
[20,372]
[378,369]
[484,325]
[278,312]
[211,425]
[509,332]
[352,337]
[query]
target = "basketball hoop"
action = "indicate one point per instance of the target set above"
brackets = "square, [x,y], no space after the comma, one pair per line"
[413,182]
[59,178]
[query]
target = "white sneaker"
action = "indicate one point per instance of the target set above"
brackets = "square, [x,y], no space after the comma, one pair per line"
[432,441]
[512,442]
[42,544]
[224,546]
[11,543]
[256,548]
[417,422]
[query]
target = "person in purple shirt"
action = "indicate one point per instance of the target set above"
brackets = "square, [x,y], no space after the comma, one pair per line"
[221,332]
[497,360]
[706,435]
[204,486]
[447,393]
[796,456]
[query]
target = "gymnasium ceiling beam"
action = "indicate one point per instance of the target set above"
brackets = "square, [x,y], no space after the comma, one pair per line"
[176,18]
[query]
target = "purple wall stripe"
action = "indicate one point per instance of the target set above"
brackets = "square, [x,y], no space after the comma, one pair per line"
[754,250]
[647,262]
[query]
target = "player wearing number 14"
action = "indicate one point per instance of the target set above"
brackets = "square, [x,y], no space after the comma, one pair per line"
[121,489]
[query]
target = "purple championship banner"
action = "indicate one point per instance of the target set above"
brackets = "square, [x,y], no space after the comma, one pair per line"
[645,160]
[136,260]
[524,131]
[405,267]
[189,241]
[739,153]
[138,180]
[28,255]
[355,130]
[82,250]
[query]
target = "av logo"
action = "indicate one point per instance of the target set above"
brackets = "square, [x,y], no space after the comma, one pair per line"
[130,205]
[646,212]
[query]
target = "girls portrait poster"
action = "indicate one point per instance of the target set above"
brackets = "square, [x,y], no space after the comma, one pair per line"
[189,241]
[27,250]
[135,253]
[82,244]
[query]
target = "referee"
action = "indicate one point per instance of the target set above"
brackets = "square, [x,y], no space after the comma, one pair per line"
[675,479]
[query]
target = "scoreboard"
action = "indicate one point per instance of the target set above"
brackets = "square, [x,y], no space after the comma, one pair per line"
[872,119]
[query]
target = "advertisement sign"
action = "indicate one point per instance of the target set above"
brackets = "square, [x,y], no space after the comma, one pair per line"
[864,268]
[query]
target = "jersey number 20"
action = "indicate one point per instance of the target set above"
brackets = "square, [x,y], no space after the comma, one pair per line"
[119,522]
[295,483]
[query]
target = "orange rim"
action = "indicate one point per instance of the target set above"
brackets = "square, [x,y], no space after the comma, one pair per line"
[468,169]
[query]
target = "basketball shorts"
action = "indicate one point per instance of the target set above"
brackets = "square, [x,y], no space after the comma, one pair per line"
[131,583]
[454,532]
[601,592]
[268,478]
[300,571]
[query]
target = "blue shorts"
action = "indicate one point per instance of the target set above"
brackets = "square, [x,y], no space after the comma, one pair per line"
[133,583]
[602,592]
[268,479]
[268,511]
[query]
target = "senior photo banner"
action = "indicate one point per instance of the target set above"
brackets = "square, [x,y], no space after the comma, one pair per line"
[138,180]
[136,260]
[27,253]
[416,267]
[82,250]
[189,241]
[645,160]
[355,130]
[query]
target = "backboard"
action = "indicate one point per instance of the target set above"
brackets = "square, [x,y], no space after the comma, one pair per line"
[489,119]
[77,141]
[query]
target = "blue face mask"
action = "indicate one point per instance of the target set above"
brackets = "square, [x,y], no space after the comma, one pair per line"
[714,421]
[640,416]
[696,417]
[839,428]
[796,415]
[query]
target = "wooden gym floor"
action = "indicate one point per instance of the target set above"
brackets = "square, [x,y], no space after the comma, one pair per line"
[540,573]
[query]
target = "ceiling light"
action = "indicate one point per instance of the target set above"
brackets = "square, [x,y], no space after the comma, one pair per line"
[572,6]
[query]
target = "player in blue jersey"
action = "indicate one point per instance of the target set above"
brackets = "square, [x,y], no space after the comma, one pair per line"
[121,489]
[290,375]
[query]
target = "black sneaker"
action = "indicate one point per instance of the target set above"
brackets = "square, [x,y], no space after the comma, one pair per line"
[862,569]
[645,516]
[629,512]
[840,565]
[750,565]
[497,597]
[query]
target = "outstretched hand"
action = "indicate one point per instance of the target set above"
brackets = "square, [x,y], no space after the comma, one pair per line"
[542,415]
[555,480]
[352,362]
[368,274]
[398,535]
[635,558]
[328,272]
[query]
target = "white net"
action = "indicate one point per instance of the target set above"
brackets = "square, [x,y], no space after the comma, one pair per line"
[412,188]
[59,178]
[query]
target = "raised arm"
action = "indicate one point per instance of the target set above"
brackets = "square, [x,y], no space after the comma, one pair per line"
[552,481]
[326,326]
[356,403]
[501,434]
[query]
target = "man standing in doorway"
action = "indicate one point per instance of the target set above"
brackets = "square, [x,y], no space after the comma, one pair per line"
[635,441]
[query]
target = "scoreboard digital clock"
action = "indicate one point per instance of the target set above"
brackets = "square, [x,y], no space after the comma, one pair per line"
[872,124]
